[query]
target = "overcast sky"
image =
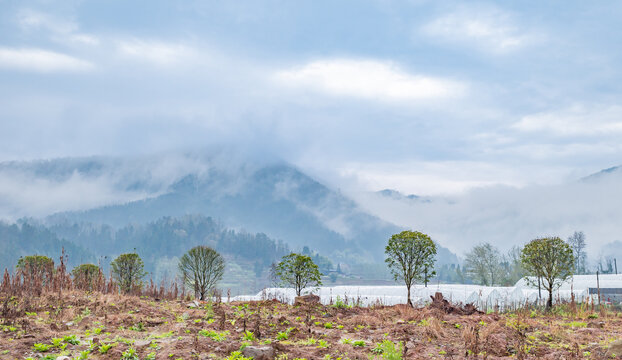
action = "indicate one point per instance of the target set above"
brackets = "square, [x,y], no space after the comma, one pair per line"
[427,97]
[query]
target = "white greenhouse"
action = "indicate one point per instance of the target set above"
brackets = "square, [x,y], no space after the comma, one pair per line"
[483,297]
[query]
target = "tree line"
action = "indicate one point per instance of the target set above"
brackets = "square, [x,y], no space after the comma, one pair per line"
[410,256]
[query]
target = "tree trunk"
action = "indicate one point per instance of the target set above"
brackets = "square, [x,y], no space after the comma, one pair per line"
[409,302]
[549,303]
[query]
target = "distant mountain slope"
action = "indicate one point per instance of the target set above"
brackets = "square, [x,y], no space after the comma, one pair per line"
[273,198]
[276,199]
[23,239]
[612,172]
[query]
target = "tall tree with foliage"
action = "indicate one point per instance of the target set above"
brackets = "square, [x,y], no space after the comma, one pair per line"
[409,255]
[298,271]
[551,260]
[128,271]
[577,243]
[201,268]
[483,264]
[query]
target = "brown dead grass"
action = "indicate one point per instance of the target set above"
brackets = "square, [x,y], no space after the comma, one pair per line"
[173,329]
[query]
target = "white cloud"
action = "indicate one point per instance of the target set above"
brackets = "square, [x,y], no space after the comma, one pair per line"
[577,120]
[488,29]
[370,79]
[32,59]
[60,30]
[156,52]
[508,216]
[433,178]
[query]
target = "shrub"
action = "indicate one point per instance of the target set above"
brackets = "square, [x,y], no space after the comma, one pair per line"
[85,276]
[36,267]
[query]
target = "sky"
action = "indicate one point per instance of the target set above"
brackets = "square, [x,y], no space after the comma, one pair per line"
[426,97]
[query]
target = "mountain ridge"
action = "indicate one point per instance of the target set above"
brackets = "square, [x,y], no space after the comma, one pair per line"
[274,197]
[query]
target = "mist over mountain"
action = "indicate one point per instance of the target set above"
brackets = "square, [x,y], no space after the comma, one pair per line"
[269,197]
[507,216]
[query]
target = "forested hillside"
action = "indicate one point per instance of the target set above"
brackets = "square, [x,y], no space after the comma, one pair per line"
[24,238]
[159,243]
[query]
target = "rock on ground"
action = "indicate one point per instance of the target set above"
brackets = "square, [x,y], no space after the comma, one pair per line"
[306,299]
[259,352]
[615,348]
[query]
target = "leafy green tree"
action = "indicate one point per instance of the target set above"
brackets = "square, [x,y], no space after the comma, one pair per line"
[85,276]
[201,268]
[36,267]
[409,255]
[483,264]
[128,271]
[298,271]
[551,260]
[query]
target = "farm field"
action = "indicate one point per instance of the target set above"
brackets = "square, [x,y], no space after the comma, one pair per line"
[83,325]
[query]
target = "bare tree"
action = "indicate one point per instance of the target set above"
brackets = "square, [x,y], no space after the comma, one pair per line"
[577,243]
[201,268]
[483,264]
[512,266]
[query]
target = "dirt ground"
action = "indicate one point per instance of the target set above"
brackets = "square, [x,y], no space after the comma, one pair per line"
[95,326]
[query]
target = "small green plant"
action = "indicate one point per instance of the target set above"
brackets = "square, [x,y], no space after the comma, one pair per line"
[71,339]
[359,343]
[346,341]
[340,304]
[328,325]
[309,341]
[322,344]
[103,348]
[151,356]
[39,347]
[58,343]
[129,354]
[237,355]
[284,335]
[138,327]
[214,335]
[389,350]
[248,336]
